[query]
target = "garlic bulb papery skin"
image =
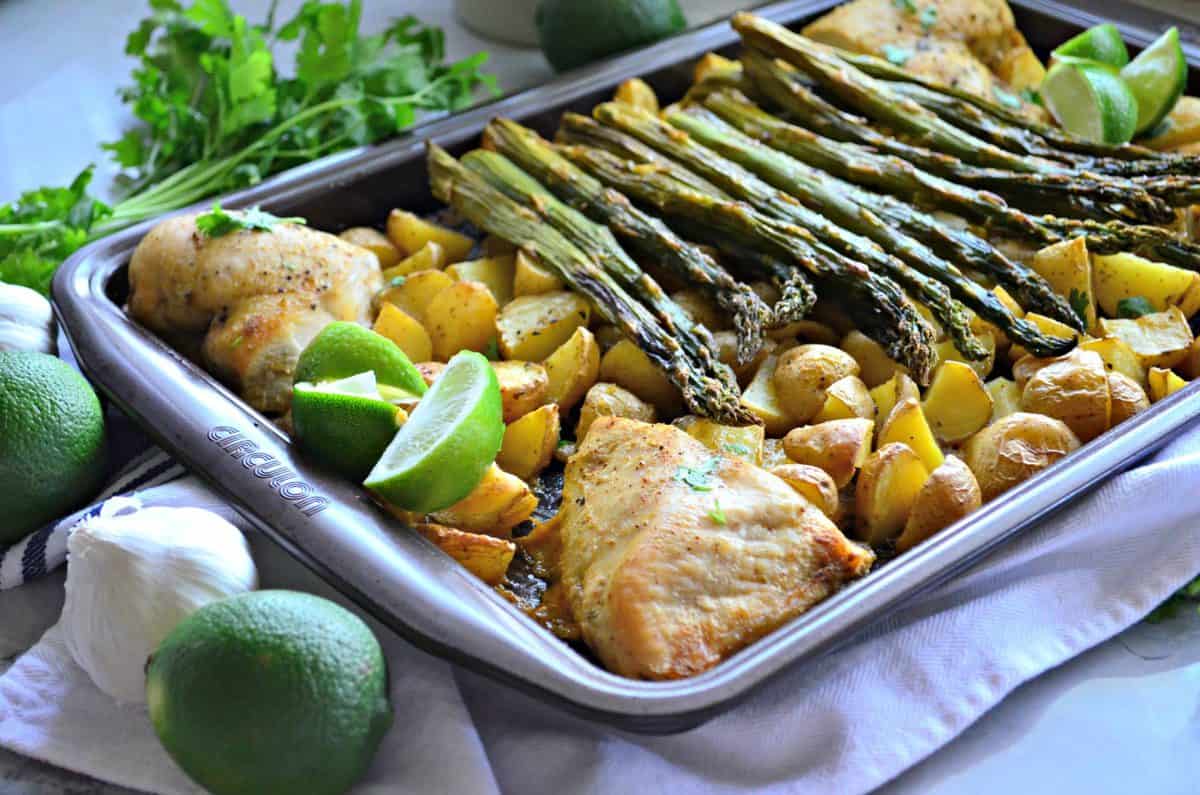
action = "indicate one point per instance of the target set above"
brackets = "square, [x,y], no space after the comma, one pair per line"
[26,321]
[134,575]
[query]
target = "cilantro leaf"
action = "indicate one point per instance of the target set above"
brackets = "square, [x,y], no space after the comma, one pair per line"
[1134,307]
[737,448]
[1006,98]
[699,478]
[716,514]
[928,18]
[1080,303]
[897,55]
[1032,96]
[218,222]
[909,6]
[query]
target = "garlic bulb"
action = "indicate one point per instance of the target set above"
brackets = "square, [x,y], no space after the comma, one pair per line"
[133,574]
[26,321]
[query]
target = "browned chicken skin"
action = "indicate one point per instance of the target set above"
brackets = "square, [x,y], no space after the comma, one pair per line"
[248,302]
[674,557]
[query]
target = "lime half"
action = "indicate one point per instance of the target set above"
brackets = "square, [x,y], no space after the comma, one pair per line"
[345,425]
[448,443]
[1102,44]
[1090,100]
[1157,78]
[343,349]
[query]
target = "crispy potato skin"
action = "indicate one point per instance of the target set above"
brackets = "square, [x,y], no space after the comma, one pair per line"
[804,374]
[813,484]
[839,447]
[572,369]
[1128,397]
[1074,389]
[886,490]
[484,556]
[950,493]
[1015,448]
[610,400]
[499,503]
[530,442]
[523,387]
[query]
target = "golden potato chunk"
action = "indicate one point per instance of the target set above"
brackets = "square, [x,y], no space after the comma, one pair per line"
[402,329]
[1159,339]
[533,326]
[887,487]
[409,232]
[461,317]
[414,293]
[1128,397]
[572,369]
[628,366]
[839,447]
[813,484]
[1118,357]
[1074,389]
[847,397]
[804,374]
[761,399]
[908,425]
[494,507]
[1117,277]
[487,557]
[1067,267]
[1190,366]
[892,391]
[737,441]
[530,278]
[1163,382]
[523,387]
[1015,448]
[701,309]
[1006,397]
[957,404]
[1180,128]
[530,442]
[947,352]
[610,400]
[374,241]
[495,273]
[950,493]
[875,366]
[638,93]
[430,257]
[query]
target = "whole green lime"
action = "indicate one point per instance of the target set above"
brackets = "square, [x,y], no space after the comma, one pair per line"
[343,349]
[52,450]
[270,693]
[576,32]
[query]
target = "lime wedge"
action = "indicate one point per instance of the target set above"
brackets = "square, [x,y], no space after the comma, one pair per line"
[1090,100]
[1102,44]
[346,424]
[343,349]
[448,443]
[1157,78]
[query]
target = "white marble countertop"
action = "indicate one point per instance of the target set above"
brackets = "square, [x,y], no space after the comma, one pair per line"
[1123,718]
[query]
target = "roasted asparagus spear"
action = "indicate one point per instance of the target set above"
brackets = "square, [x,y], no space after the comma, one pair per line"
[491,210]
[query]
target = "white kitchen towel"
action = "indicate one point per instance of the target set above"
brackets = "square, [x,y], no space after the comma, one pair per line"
[844,724]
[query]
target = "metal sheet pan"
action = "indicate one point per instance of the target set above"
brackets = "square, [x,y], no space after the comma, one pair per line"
[329,524]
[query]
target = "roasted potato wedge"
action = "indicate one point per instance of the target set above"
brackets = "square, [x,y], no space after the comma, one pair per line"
[1117,277]
[957,404]
[804,374]
[461,317]
[495,273]
[1180,128]
[1118,357]
[1067,267]
[572,369]
[875,366]
[1006,397]
[414,293]
[610,400]
[1074,389]
[1190,366]
[847,397]
[1021,69]
[374,241]
[892,391]
[523,387]
[530,278]
[700,308]
[1159,339]
[948,352]
[908,425]
[839,447]
[487,557]
[1163,382]
[402,329]
[533,326]
[409,232]
[726,349]
[530,442]
[744,441]
[430,257]
[762,400]
[1128,397]
[494,507]
[813,484]
[950,493]
[887,487]
[1015,448]
[628,366]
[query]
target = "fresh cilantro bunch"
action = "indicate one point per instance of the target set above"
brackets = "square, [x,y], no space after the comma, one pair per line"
[216,113]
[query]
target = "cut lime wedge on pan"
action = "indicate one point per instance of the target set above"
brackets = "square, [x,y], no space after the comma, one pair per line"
[1090,100]
[1157,78]
[1102,44]
[448,443]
